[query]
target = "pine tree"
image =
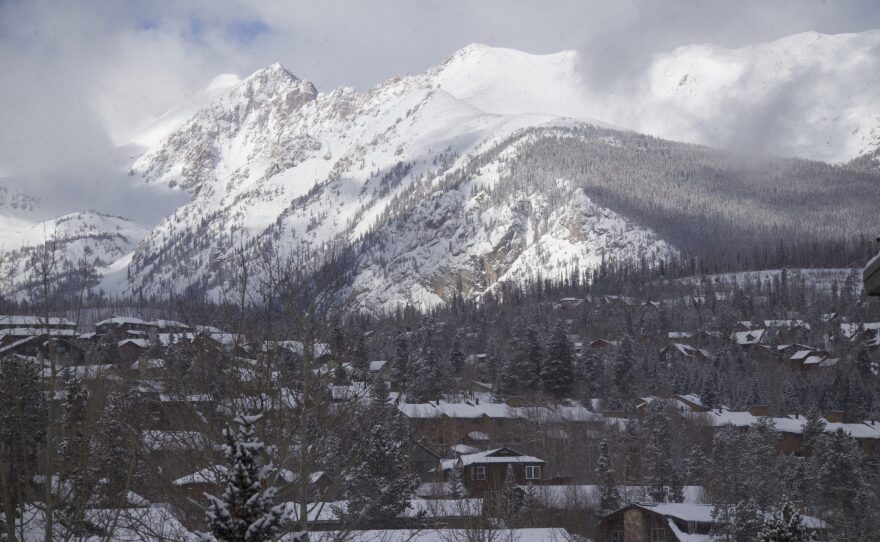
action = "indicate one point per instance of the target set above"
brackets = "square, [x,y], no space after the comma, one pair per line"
[844,486]
[696,466]
[427,375]
[517,368]
[360,358]
[456,354]
[400,364]
[455,485]
[623,372]
[379,484]
[557,373]
[244,513]
[709,393]
[813,427]
[535,354]
[609,499]
[661,472]
[785,525]
[864,363]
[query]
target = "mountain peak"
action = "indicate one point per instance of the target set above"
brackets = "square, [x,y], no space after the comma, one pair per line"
[274,70]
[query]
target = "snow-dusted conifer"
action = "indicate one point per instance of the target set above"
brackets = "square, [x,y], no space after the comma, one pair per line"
[517,368]
[455,485]
[400,363]
[785,525]
[658,451]
[380,483]
[557,373]
[244,512]
[456,354]
[609,495]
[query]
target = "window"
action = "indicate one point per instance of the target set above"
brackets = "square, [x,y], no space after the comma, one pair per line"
[617,536]
[533,472]
[658,534]
[479,472]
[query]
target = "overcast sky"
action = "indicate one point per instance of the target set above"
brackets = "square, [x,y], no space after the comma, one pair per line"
[78,77]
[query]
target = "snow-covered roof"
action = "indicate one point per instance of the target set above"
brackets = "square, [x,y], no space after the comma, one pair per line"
[140,343]
[7,320]
[16,344]
[561,497]
[121,320]
[855,430]
[498,455]
[164,324]
[699,513]
[213,474]
[378,365]
[152,363]
[815,360]
[26,331]
[801,355]
[447,464]
[577,413]
[748,337]
[463,449]
[849,330]
[682,536]
[478,435]
[787,324]
[496,410]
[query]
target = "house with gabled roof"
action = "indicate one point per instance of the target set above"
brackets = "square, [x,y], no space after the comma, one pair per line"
[668,522]
[484,472]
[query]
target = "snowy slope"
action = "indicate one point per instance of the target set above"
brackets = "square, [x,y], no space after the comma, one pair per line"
[89,237]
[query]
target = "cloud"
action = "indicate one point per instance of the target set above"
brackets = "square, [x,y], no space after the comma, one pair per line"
[79,77]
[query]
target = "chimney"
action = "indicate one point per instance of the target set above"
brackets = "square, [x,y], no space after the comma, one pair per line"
[759,410]
[834,416]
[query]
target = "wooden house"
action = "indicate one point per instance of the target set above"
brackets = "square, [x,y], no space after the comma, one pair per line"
[483,473]
[668,522]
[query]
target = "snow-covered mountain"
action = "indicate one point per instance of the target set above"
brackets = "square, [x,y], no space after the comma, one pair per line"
[275,159]
[423,174]
[80,240]
[810,95]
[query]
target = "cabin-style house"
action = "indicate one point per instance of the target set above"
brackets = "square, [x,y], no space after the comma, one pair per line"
[483,473]
[669,522]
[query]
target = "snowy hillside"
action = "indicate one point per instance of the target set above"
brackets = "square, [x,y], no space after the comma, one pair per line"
[88,238]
